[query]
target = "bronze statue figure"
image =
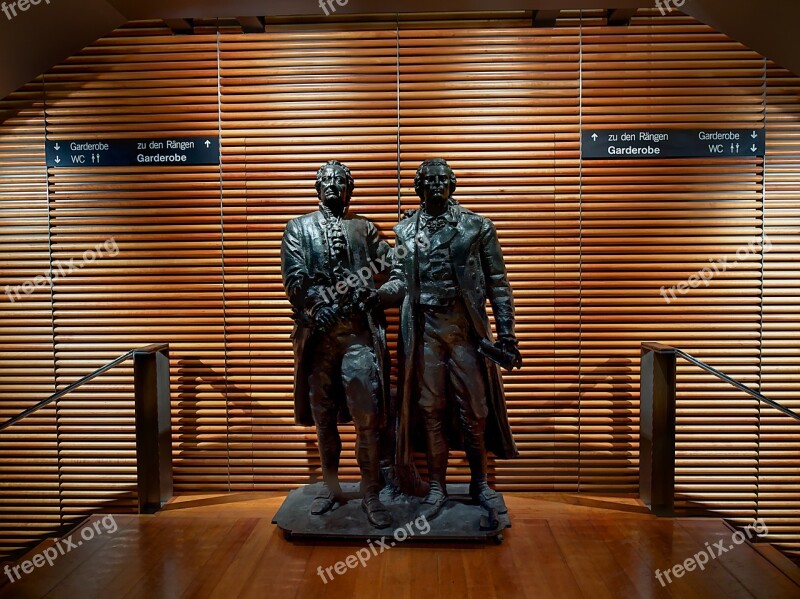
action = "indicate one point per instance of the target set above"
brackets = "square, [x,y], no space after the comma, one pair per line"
[450,384]
[329,259]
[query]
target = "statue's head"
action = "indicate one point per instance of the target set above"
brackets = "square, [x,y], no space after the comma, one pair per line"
[435,182]
[335,186]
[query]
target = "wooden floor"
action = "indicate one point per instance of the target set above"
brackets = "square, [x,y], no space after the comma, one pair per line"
[561,546]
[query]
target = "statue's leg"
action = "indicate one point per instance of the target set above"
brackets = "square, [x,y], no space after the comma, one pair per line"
[360,381]
[432,371]
[467,377]
[325,412]
[469,385]
[432,403]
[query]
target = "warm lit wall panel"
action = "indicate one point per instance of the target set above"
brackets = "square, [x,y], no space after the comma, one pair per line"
[291,100]
[779,436]
[29,475]
[165,283]
[502,106]
[648,224]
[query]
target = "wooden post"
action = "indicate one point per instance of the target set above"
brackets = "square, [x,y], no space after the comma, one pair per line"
[153,427]
[657,428]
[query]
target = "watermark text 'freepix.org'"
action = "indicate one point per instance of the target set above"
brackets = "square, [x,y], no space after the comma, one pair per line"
[13,9]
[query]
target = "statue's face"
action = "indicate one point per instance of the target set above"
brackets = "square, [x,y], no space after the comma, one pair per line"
[436,185]
[333,190]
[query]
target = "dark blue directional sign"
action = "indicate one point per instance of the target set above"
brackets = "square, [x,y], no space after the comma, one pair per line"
[168,151]
[672,143]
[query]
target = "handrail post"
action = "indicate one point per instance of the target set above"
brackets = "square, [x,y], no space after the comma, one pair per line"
[657,428]
[153,427]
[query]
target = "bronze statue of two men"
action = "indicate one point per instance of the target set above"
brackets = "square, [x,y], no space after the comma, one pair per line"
[446,263]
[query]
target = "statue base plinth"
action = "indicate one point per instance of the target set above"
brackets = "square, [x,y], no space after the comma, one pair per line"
[461,519]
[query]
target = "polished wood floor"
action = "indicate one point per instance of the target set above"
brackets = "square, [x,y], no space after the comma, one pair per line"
[561,546]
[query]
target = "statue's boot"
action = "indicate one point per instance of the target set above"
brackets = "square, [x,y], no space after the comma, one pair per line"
[434,501]
[325,500]
[330,448]
[475,448]
[391,486]
[487,497]
[377,514]
[438,454]
[368,456]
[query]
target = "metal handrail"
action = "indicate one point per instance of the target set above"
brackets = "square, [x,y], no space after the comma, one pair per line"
[737,384]
[151,398]
[721,375]
[64,391]
[658,418]
[55,396]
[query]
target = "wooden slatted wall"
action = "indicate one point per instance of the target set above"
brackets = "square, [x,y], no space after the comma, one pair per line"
[648,224]
[502,106]
[588,244]
[779,437]
[290,101]
[29,476]
[165,282]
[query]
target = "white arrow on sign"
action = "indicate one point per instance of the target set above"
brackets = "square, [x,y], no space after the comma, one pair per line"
[594,136]
[58,159]
[754,148]
[754,135]
[57,147]
[208,144]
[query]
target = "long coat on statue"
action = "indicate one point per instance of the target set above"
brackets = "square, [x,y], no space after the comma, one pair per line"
[307,273]
[480,272]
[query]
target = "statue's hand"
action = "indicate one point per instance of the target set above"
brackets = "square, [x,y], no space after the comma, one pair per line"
[368,299]
[509,345]
[325,317]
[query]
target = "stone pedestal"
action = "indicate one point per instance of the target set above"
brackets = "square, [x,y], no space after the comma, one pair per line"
[460,520]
